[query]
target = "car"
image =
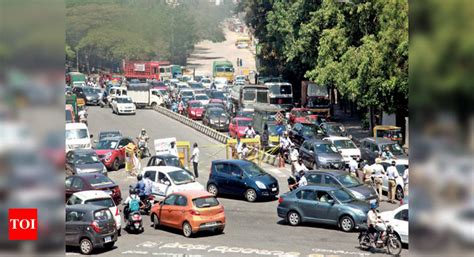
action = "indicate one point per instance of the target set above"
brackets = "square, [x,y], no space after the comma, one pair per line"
[196,86]
[77,136]
[187,94]
[99,198]
[244,114]
[344,180]
[346,147]
[241,178]
[109,133]
[304,131]
[216,118]
[206,82]
[111,151]
[323,204]
[370,148]
[298,115]
[238,125]
[215,94]
[333,129]
[320,154]
[194,109]
[69,114]
[398,218]
[164,160]
[220,83]
[92,96]
[203,98]
[89,227]
[92,181]
[84,161]
[190,211]
[401,165]
[168,180]
[240,78]
[123,105]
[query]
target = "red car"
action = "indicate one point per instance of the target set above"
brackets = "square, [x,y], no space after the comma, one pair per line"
[216,100]
[111,151]
[238,125]
[92,181]
[298,115]
[194,109]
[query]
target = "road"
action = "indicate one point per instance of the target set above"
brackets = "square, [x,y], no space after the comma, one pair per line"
[252,229]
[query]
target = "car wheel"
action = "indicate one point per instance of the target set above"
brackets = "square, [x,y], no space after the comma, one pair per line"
[156,221]
[116,164]
[294,218]
[109,245]
[211,188]
[399,193]
[346,223]
[153,105]
[86,246]
[250,195]
[187,229]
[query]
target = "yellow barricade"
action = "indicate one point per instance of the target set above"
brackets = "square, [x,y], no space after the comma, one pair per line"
[252,143]
[184,153]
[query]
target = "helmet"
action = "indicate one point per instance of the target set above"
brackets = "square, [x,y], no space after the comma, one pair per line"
[132,190]
[143,131]
[373,205]
[139,177]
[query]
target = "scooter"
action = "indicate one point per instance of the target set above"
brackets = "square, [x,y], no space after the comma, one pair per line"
[134,222]
[142,149]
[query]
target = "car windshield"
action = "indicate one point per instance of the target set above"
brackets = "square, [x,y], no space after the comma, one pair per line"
[76,134]
[108,134]
[88,91]
[302,113]
[103,215]
[348,180]
[98,180]
[196,104]
[181,177]
[250,95]
[205,81]
[325,148]
[252,169]
[217,95]
[245,114]
[202,97]
[244,123]
[123,100]
[272,129]
[205,202]
[217,113]
[163,91]
[280,89]
[196,85]
[310,131]
[172,161]
[394,148]
[106,144]
[96,90]
[335,128]
[86,158]
[344,144]
[104,202]
[342,196]
[187,93]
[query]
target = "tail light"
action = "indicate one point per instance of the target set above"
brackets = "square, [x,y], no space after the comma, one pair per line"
[280,199]
[95,226]
[195,213]
[221,210]
[117,212]
[136,217]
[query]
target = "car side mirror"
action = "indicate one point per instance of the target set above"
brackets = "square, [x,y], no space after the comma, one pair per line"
[331,201]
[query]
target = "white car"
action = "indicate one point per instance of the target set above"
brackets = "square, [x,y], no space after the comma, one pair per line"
[77,136]
[123,105]
[240,78]
[100,198]
[401,165]
[169,179]
[203,98]
[206,82]
[398,218]
[345,146]
[220,83]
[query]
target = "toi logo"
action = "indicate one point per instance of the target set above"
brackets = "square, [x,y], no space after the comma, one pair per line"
[23,224]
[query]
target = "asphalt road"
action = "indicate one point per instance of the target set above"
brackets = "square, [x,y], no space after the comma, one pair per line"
[252,229]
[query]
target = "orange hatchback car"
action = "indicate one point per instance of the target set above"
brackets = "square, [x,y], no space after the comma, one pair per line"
[190,211]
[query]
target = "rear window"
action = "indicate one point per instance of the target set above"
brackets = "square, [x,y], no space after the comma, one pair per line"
[103,215]
[205,202]
[104,202]
[98,181]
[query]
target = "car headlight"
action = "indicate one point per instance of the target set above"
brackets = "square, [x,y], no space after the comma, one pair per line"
[88,97]
[322,159]
[260,185]
[227,122]
[107,156]
[212,121]
[358,195]
[193,112]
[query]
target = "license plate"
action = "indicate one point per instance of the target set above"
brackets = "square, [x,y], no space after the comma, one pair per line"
[274,189]
[108,239]
[212,223]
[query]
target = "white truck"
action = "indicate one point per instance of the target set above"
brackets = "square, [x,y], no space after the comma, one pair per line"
[143,95]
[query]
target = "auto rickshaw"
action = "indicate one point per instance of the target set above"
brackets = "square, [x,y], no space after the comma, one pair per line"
[393,133]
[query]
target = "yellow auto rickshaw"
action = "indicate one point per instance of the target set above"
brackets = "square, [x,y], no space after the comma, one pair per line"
[393,133]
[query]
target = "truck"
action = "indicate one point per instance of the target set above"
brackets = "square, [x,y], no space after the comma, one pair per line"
[143,95]
[316,98]
[280,94]
[244,97]
[223,69]
[142,70]
[75,79]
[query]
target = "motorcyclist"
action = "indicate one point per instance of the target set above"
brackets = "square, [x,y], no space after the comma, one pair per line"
[249,132]
[285,144]
[372,220]
[143,140]
[140,187]
[129,205]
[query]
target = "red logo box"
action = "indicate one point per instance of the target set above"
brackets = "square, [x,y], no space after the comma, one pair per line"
[23,224]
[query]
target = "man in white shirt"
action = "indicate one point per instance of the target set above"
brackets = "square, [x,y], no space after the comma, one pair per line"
[372,220]
[249,132]
[392,174]
[294,155]
[173,149]
[299,167]
[195,159]
[353,166]
[245,151]
[303,181]
[405,181]
[378,172]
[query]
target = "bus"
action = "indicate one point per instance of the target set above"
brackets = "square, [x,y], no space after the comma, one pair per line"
[223,69]
[280,94]
[242,42]
[244,97]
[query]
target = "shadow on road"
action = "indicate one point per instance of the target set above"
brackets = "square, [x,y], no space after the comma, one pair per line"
[201,57]
[179,232]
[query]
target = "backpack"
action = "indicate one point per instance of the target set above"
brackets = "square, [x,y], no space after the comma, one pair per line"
[134,204]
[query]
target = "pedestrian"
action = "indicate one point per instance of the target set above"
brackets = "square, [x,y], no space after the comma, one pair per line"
[245,151]
[387,155]
[367,178]
[173,149]
[353,165]
[303,181]
[378,173]
[405,181]
[265,137]
[292,183]
[249,132]
[299,167]
[195,159]
[392,174]
[294,156]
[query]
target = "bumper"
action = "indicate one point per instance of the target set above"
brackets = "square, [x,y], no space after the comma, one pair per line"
[267,192]
[333,165]
[282,212]
[220,127]
[203,223]
[131,111]
[93,102]
[99,241]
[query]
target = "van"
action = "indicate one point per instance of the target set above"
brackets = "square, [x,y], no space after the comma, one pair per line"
[77,136]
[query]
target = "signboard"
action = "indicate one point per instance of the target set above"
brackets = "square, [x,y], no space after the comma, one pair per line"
[139,66]
[163,145]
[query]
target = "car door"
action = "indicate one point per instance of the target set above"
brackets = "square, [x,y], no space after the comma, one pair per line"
[151,161]
[305,154]
[220,175]
[162,185]
[400,224]
[307,204]
[177,211]
[166,209]
[325,209]
[70,163]
[74,220]
[236,180]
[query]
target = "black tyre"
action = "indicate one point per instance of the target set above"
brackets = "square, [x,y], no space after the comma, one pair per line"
[86,246]
[219,230]
[346,223]
[251,195]
[293,218]
[211,188]
[187,229]
[116,164]
[394,245]
[156,221]
[399,194]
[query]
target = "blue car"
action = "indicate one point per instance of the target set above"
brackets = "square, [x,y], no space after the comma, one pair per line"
[323,204]
[241,178]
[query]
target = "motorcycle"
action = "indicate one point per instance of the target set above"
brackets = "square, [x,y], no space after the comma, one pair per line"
[142,149]
[134,222]
[388,237]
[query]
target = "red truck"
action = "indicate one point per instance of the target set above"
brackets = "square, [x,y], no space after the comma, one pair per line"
[142,69]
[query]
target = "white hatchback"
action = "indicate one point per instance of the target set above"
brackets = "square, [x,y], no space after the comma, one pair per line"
[345,146]
[77,136]
[123,105]
[398,218]
[99,198]
[168,179]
